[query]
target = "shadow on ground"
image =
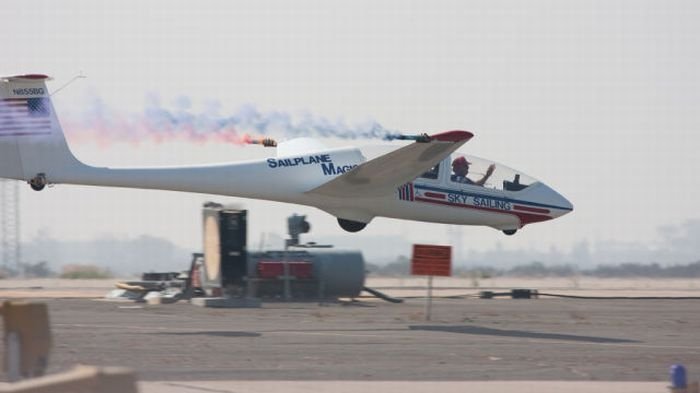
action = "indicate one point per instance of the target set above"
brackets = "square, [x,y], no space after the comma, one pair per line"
[484,331]
[211,333]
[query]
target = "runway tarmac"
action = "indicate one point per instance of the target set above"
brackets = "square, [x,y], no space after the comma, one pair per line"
[468,341]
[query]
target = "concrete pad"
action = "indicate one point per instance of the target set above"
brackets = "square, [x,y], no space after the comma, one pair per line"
[81,379]
[401,387]
[223,302]
[155,298]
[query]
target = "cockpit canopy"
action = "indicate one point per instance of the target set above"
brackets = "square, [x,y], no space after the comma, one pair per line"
[502,177]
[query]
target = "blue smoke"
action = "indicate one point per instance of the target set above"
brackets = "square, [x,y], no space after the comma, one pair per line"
[249,119]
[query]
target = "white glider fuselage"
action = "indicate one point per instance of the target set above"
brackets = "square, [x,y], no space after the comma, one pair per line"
[256,179]
[289,179]
[412,182]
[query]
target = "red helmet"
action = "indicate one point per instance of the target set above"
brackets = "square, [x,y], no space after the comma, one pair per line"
[460,161]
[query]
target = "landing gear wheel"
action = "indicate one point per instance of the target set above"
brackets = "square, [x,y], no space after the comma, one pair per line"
[351,226]
[38,182]
[510,232]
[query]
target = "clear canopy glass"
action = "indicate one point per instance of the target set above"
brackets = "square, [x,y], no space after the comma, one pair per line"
[500,178]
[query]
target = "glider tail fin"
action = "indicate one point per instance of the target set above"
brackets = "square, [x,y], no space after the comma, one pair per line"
[32,145]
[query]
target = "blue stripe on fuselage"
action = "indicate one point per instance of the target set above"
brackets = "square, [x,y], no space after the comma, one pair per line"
[471,194]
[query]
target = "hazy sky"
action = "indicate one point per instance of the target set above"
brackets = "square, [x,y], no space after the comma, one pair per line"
[599,99]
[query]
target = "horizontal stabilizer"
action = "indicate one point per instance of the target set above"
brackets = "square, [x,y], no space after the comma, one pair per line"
[382,175]
[26,78]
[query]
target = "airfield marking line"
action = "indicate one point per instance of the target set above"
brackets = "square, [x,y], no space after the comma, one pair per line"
[531,340]
[209,328]
[180,329]
[624,345]
[353,386]
[564,342]
[136,327]
[197,388]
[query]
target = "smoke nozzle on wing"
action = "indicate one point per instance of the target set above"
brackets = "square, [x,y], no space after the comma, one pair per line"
[420,138]
[266,142]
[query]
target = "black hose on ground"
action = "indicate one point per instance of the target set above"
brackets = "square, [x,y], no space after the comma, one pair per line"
[382,296]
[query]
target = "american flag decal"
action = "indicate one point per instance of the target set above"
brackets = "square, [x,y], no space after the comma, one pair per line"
[25,116]
[406,192]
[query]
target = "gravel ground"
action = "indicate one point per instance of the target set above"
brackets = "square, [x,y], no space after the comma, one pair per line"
[370,340]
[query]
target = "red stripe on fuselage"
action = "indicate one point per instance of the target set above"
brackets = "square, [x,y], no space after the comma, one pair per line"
[525,218]
[434,195]
[530,209]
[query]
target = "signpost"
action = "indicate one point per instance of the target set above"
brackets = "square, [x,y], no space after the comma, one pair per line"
[431,260]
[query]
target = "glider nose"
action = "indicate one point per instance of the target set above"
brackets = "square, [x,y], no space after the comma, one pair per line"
[560,204]
[545,200]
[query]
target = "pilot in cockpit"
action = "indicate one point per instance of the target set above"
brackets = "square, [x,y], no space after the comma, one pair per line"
[460,167]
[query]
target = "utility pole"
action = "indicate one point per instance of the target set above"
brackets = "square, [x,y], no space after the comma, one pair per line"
[9,225]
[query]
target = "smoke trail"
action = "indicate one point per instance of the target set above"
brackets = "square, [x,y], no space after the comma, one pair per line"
[101,124]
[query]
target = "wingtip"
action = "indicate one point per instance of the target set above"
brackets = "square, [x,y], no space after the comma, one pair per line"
[453,136]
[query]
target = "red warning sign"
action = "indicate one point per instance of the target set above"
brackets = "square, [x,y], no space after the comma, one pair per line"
[431,260]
